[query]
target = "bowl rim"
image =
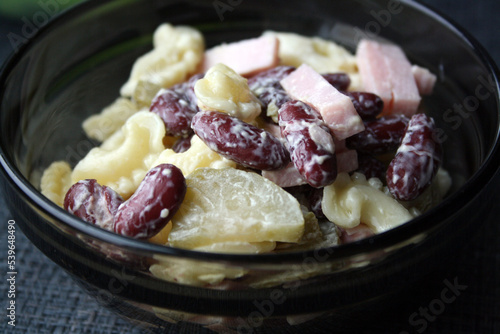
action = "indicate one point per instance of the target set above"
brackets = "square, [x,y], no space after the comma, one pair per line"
[419,225]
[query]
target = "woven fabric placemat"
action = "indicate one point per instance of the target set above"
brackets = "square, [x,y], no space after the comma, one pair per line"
[49,301]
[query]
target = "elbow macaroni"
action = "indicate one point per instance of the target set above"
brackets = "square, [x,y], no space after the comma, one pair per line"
[176,55]
[350,201]
[222,89]
[101,126]
[122,161]
[56,180]
[197,156]
[322,55]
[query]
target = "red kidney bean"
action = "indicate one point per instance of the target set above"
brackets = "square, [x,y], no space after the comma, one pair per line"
[182,145]
[186,91]
[278,96]
[153,204]
[93,203]
[340,81]
[175,112]
[417,160]
[310,143]
[177,106]
[368,105]
[266,86]
[371,167]
[269,78]
[241,142]
[380,136]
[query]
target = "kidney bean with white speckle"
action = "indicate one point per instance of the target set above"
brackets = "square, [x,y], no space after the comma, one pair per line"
[340,81]
[176,107]
[239,141]
[93,203]
[368,105]
[175,112]
[266,86]
[269,78]
[153,204]
[186,91]
[417,160]
[310,143]
[182,145]
[380,136]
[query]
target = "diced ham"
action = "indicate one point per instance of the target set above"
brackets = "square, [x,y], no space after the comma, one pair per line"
[374,71]
[336,109]
[285,177]
[247,57]
[385,71]
[347,160]
[424,79]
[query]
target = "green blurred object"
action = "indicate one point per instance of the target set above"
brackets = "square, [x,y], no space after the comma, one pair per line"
[18,8]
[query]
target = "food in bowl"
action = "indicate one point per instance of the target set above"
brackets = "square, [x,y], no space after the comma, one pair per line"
[273,144]
[128,271]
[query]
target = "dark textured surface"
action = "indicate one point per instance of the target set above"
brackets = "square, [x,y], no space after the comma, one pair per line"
[48,301]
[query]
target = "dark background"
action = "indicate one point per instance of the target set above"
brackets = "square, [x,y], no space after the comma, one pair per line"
[48,301]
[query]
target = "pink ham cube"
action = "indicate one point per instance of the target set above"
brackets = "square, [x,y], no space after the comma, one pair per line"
[385,71]
[347,160]
[285,177]
[247,57]
[336,109]
[424,79]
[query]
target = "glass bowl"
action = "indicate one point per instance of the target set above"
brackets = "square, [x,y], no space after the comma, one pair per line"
[74,66]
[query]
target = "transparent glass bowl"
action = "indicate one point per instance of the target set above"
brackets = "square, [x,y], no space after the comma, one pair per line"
[75,66]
